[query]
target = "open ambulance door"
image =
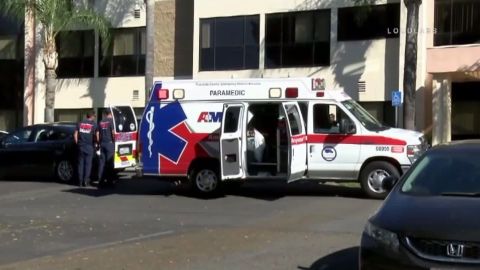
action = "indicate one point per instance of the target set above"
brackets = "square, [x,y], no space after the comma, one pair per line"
[297,141]
[126,133]
[232,141]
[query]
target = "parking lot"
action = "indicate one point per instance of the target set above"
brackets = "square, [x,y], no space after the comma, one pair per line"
[150,224]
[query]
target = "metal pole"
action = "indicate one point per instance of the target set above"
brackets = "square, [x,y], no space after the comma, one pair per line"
[396,116]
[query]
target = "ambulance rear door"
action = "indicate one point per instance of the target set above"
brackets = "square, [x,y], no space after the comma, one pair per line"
[126,133]
[297,142]
[232,141]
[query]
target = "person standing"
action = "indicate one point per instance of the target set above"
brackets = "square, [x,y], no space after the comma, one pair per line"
[107,150]
[86,136]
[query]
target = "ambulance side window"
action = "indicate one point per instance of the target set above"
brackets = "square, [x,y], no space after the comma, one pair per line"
[327,118]
[294,119]
[231,120]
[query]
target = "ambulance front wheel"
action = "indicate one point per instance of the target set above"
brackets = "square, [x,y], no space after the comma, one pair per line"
[205,180]
[372,176]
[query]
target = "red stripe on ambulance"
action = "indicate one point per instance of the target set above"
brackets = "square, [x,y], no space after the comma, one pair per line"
[354,139]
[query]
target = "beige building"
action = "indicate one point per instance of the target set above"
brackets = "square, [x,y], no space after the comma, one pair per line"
[89,79]
[353,48]
[453,69]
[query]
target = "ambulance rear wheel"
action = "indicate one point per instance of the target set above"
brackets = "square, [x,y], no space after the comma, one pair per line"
[206,180]
[372,176]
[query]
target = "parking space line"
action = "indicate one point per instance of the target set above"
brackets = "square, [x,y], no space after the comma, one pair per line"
[120,242]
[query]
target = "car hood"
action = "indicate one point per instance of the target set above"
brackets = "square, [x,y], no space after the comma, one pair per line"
[432,217]
[411,137]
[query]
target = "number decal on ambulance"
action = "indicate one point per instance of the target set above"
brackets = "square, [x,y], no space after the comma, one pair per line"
[383,148]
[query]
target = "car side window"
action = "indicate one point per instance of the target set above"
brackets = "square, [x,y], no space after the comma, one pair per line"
[58,135]
[327,118]
[42,134]
[19,136]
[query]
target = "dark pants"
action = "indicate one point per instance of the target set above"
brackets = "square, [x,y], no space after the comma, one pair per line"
[105,164]
[85,157]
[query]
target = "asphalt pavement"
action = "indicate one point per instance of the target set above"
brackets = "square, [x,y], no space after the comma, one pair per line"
[152,224]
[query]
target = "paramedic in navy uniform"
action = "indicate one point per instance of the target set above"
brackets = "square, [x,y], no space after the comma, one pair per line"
[86,136]
[107,148]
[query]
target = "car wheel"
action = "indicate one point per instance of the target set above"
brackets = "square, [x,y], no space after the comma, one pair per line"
[206,180]
[372,176]
[64,171]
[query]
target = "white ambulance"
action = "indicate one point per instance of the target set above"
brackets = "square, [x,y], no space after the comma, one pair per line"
[287,129]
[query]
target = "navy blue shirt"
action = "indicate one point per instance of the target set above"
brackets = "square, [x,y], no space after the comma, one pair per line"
[106,130]
[86,133]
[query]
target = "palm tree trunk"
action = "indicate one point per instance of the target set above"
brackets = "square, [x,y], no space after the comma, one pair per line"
[410,65]
[150,52]
[50,59]
[29,66]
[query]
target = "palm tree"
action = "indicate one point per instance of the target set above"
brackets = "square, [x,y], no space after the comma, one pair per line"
[150,53]
[410,66]
[56,16]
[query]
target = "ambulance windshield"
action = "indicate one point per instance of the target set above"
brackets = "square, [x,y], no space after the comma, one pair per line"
[367,120]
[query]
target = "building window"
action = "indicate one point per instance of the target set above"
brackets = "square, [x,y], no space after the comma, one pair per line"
[297,39]
[368,22]
[229,43]
[457,22]
[125,55]
[75,54]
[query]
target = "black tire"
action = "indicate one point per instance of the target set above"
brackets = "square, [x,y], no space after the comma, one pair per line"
[64,171]
[205,180]
[371,176]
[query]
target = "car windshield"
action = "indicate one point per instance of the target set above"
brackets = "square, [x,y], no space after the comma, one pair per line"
[365,118]
[455,173]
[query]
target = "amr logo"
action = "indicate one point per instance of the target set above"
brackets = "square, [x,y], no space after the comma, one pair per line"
[210,117]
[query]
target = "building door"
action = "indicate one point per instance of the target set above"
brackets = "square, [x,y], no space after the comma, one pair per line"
[465,119]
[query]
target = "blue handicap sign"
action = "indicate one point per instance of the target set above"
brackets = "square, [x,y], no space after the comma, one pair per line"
[396,98]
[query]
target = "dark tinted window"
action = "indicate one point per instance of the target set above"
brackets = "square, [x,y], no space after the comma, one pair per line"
[124,119]
[232,116]
[368,22]
[126,53]
[229,43]
[75,54]
[19,136]
[457,22]
[297,39]
[441,173]
[60,134]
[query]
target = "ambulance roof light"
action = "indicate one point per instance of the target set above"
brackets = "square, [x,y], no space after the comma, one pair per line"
[275,93]
[178,93]
[320,94]
[291,92]
[163,94]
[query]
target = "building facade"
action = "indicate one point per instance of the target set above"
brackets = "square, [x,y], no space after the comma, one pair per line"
[359,49]
[453,68]
[354,48]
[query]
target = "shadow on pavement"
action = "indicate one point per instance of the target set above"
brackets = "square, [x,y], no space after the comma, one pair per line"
[262,190]
[345,259]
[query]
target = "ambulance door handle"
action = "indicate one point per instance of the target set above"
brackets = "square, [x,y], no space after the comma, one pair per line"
[312,147]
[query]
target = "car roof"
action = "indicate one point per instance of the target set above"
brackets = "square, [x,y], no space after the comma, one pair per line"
[462,145]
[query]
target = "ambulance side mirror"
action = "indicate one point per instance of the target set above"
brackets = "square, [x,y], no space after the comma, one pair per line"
[347,127]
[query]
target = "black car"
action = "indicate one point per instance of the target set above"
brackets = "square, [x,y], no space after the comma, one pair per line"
[430,219]
[40,151]
[3,134]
